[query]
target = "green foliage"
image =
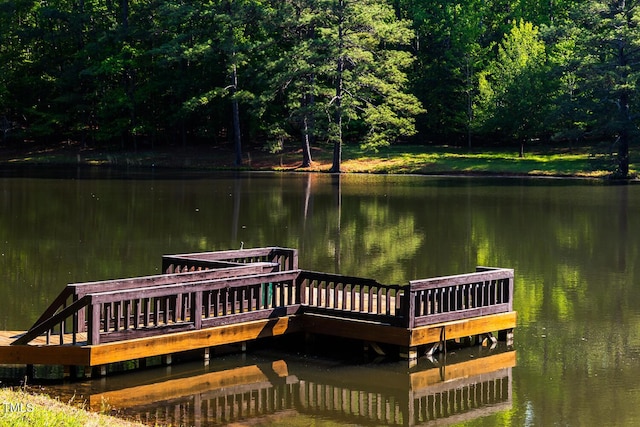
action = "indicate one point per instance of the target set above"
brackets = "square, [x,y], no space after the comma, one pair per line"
[513,91]
[364,72]
[355,46]
[607,48]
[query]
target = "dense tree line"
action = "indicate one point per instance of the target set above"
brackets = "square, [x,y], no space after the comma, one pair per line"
[306,72]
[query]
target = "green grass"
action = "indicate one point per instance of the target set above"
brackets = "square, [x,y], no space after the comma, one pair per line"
[443,160]
[539,160]
[21,408]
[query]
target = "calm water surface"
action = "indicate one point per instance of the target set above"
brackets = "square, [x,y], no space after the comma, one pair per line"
[573,244]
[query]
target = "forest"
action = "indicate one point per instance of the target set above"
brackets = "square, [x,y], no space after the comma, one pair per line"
[300,73]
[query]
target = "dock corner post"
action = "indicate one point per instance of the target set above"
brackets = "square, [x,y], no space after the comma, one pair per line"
[70,371]
[99,371]
[207,356]
[511,284]
[506,335]
[30,374]
[196,308]
[167,360]
[411,308]
[410,354]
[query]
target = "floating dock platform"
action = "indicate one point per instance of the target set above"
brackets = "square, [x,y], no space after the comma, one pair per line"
[209,299]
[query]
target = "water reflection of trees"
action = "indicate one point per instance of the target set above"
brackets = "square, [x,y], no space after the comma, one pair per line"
[575,297]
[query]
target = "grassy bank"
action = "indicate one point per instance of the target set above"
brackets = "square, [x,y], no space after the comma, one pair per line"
[538,161]
[21,408]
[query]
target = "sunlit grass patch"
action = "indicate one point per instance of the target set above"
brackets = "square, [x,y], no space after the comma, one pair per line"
[19,408]
[453,160]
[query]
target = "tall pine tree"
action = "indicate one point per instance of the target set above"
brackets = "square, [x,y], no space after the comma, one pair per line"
[608,52]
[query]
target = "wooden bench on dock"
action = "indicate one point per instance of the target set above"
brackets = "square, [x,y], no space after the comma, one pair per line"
[209,299]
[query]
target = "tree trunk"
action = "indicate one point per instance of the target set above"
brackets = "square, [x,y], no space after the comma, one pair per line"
[624,113]
[129,79]
[337,142]
[236,116]
[623,154]
[306,142]
[125,14]
[469,92]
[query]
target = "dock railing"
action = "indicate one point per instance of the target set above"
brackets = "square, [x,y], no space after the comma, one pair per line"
[116,315]
[191,267]
[352,297]
[74,291]
[116,310]
[449,298]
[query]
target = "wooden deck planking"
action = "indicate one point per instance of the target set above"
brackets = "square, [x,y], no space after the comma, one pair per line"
[7,337]
[39,353]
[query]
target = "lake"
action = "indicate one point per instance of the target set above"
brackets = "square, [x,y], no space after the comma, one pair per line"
[573,244]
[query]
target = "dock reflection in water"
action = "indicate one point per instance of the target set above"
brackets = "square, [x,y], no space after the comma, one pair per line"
[473,383]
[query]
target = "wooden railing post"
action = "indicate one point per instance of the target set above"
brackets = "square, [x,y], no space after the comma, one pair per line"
[293,260]
[93,337]
[301,286]
[510,296]
[75,326]
[410,295]
[196,309]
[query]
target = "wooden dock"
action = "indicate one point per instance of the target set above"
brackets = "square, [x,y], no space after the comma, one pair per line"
[204,300]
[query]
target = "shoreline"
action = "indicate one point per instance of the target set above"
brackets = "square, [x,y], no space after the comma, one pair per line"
[436,161]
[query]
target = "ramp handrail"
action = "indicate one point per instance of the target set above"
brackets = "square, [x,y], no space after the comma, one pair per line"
[75,291]
[145,311]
